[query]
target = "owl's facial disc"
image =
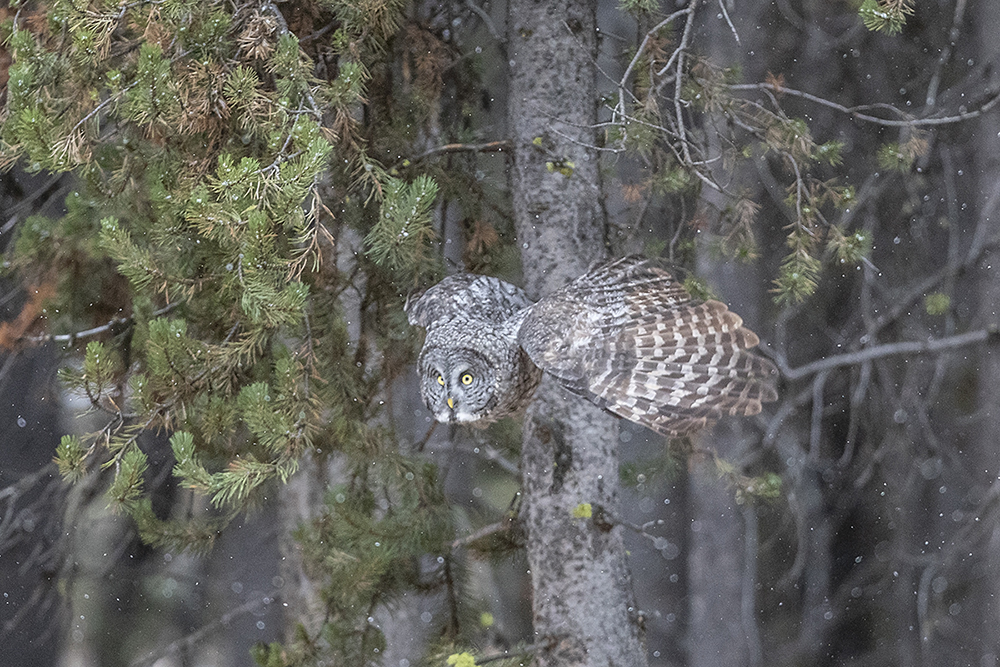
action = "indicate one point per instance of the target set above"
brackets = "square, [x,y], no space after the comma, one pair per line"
[457,387]
[461,386]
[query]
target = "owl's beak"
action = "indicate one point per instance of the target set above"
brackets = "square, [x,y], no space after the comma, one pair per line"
[451,403]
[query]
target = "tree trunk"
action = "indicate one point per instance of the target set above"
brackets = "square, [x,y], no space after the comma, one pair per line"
[300,500]
[982,640]
[717,632]
[552,106]
[583,607]
[298,503]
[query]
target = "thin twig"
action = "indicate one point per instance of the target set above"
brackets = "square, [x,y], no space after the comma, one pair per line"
[584,144]
[319,33]
[485,531]
[798,189]
[638,54]
[423,441]
[490,453]
[97,109]
[854,113]
[489,147]
[729,21]
[15,211]
[684,41]
[96,331]
[678,107]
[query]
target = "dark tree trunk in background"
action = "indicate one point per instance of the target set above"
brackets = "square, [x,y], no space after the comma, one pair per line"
[984,165]
[299,501]
[717,624]
[722,562]
[583,605]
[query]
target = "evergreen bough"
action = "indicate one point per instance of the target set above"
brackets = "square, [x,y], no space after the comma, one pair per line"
[214,171]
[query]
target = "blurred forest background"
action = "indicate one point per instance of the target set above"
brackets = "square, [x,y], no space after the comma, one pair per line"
[212,214]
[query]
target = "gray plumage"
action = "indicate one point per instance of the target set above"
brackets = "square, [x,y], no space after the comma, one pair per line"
[626,335]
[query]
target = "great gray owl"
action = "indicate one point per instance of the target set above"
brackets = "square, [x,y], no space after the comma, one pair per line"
[626,335]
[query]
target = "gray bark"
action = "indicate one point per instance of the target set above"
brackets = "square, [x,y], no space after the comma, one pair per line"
[716,632]
[582,600]
[552,106]
[983,642]
[299,501]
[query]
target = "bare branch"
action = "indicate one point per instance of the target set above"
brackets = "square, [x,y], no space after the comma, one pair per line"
[729,21]
[96,331]
[490,453]
[485,531]
[946,51]
[638,54]
[854,112]
[681,62]
[887,350]
[96,110]
[488,147]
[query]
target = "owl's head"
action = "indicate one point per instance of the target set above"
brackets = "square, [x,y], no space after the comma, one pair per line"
[458,384]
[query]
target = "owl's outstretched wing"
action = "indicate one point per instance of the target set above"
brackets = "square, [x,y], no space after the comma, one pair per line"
[487,298]
[629,337]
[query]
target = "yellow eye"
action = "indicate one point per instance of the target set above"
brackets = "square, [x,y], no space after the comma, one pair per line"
[467,379]
[441,380]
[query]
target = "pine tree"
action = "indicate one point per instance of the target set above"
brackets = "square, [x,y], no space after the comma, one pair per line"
[215,168]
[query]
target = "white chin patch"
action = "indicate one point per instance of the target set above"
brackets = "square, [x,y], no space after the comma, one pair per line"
[447,416]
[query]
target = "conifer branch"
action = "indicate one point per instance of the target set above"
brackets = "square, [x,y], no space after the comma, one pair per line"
[272,9]
[117,95]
